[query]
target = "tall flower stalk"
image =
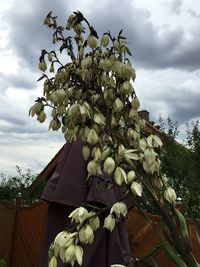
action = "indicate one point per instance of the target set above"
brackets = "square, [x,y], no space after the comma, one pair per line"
[89,86]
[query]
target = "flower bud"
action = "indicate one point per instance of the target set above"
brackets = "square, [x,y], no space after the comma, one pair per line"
[101,63]
[131,133]
[86,152]
[70,22]
[133,114]
[50,57]
[79,215]
[60,95]
[96,153]
[113,121]
[42,66]
[149,167]
[94,222]
[54,124]
[95,97]
[119,208]
[54,40]
[86,62]
[156,141]
[109,166]
[51,68]
[79,254]
[84,133]
[89,234]
[61,110]
[99,119]
[42,116]
[118,105]
[120,176]
[131,176]
[136,189]
[92,137]
[70,254]
[104,40]
[56,250]
[109,222]
[52,97]
[62,239]
[121,151]
[47,21]
[86,234]
[36,109]
[127,88]
[53,262]
[117,45]
[107,65]
[78,28]
[129,72]
[92,41]
[92,168]
[170,195]
[135,103]
[105,153]
[150,155]
[142,144]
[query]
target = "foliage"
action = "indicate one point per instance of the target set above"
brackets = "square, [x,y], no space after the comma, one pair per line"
[91,96]
[2,263]
[181,165]
[12,185]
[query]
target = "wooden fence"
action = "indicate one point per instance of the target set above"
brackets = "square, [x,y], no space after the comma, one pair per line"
[143,238]
[21,229]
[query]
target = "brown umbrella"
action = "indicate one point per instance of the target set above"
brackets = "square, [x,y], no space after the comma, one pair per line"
[67,190]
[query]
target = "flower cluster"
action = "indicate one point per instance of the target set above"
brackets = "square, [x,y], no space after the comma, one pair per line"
[118,209]
[67,244]
[92,97]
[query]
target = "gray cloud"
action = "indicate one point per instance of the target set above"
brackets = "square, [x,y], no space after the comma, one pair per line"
[151,48]
[21,80]
[27,34]
[184,104]
[176,6]
[193,13]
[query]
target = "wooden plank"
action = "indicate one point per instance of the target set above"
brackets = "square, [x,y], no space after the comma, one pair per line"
[29,235]
[7,214]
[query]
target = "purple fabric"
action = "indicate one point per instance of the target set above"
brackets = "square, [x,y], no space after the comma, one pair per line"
[66,190]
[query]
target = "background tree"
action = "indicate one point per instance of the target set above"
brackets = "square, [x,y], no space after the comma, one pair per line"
[12,185]
[181,164]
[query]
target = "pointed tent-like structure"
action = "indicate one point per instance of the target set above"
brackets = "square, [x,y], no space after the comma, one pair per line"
[65,177]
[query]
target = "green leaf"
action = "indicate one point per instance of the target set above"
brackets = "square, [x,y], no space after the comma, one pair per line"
[169,250]
[128,51]
[183,224]
[154,262]
[42,77]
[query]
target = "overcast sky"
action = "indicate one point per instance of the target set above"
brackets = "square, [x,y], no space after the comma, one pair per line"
[164,36]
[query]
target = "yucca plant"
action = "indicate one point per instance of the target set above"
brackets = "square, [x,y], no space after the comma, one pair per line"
[89,86]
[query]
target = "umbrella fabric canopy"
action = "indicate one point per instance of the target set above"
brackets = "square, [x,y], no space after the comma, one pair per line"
[67,190]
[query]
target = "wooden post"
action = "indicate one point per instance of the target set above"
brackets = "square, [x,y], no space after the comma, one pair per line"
[11,260]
